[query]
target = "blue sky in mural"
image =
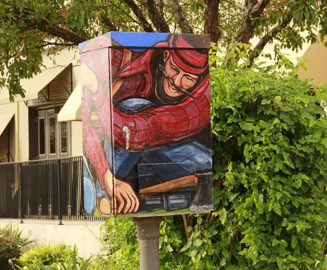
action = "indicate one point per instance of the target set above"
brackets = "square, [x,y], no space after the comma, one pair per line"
[137,39]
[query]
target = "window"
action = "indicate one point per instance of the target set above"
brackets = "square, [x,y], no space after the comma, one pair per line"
[53,136]
[63,137]
[41,136]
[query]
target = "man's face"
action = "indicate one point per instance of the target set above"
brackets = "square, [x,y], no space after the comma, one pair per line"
[176,77]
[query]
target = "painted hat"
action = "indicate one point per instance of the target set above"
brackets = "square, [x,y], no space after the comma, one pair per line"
[189,60]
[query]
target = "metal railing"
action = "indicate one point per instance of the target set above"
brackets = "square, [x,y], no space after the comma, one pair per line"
[43,189]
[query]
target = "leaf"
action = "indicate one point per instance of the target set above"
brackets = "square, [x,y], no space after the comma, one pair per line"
[277,208]
[222,214]
[197,242]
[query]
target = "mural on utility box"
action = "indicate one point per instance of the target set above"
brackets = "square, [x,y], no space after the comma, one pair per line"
[146,123]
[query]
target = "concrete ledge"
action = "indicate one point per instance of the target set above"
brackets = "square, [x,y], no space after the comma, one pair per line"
[83,234]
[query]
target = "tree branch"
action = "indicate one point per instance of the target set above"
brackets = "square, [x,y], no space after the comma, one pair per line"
[161,5]
[156,18]
[61,32]
[138,13]
[180,16]
[185,223]
[254,9]
[44,26]
[126,12]
[211,20]
[48,43]
[268,37]
[108,23]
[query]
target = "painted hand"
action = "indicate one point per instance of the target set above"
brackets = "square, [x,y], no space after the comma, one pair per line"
[123,197]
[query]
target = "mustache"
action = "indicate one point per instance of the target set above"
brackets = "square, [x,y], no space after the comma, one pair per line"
[179,89]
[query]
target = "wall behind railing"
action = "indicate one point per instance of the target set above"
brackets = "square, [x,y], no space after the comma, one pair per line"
[43,189]
[39,196]
[82,234]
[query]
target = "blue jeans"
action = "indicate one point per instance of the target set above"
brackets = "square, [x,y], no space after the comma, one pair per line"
[159,164]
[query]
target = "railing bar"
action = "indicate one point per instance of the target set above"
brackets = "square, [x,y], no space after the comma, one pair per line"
[20,201]
[59,192]
[40,160]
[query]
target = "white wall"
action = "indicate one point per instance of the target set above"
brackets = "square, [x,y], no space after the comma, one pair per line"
[84,234]
[61,58]
[76,74]
[76,126]
[293,56]
[8,131]
[23,138]
[76,140]
[315,59]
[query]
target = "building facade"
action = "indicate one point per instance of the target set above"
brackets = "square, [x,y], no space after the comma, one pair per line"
[40,156]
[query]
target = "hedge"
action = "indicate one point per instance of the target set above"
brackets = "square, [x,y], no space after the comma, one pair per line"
[270,168]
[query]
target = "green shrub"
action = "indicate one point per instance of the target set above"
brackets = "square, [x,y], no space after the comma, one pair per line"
[120,247]
[270,143]
[47,255]
[270,170]
[12,244]
[59,257]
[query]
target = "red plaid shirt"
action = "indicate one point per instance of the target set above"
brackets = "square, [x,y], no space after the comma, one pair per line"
[150,127]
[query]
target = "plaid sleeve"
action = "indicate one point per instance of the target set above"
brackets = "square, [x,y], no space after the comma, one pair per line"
[91,141]
[156,126]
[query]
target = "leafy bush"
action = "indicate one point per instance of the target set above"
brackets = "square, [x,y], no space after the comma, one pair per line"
[120,247]
[270,171]
[270,152]
[270,148]
[12,244]
[46,255]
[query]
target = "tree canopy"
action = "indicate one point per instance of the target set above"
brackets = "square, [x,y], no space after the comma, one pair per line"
[29,26]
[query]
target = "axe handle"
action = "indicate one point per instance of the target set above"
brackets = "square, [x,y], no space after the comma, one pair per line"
[184,181]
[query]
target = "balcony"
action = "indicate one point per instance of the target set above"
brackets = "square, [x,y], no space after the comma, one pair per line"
[42,189]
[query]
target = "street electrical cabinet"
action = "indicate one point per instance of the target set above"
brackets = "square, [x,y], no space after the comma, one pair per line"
[146,124]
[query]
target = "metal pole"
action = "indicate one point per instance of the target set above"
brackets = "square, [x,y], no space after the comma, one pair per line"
[59,192]
[20,190]
[148,237]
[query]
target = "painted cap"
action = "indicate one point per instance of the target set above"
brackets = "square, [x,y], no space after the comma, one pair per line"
[188,59]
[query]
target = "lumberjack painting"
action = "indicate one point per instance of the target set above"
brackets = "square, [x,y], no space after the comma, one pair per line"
[146,123]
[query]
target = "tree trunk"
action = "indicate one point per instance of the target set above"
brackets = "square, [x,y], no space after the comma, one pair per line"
[180,16]
[138,13]
[211,20]
[254,10]
[156,18]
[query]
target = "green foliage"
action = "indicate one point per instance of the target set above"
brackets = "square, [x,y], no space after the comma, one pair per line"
[46,255]
[32,27]
[270,150]
[120,247]
[12,244]
[59,257]
[194,249]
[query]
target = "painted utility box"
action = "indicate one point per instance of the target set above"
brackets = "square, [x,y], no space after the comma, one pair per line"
[146,124]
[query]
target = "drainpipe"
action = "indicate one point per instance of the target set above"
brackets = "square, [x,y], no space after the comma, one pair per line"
[17,168]
[8,144]
[17,133]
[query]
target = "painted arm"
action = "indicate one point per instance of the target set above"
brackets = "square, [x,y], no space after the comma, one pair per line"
[124,199]
[165,124]
[92,143]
